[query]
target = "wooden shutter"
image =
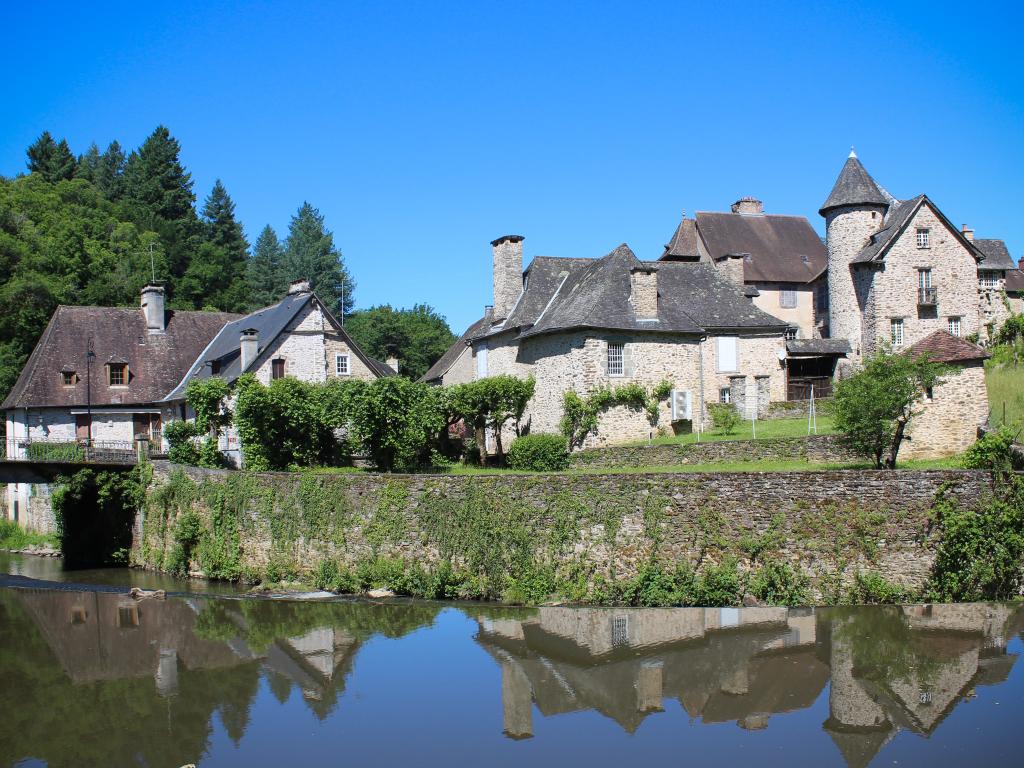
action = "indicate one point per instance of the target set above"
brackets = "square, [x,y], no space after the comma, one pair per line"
[628,369]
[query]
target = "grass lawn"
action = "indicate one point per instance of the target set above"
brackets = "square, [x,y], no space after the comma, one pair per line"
[766,430]
[1005,384]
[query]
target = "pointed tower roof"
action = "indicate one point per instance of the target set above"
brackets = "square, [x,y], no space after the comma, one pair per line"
[854,187]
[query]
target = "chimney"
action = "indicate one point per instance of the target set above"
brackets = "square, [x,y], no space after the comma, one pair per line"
[489,313]
[508,273]
[967,232]
[750,206]
[249,348]
[392,363]
[731,266]
[298,286]
[153,307]
[643,292]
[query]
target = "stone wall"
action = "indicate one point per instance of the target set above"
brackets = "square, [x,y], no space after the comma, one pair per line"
[948,421]
[817,448]
[792,409]
[829,524]
[802,316]
[848,229]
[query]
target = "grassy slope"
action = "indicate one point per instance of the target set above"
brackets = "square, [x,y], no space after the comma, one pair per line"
[766,430]
[1005,385]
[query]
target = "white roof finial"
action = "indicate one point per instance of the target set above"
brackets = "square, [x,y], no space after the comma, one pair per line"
[852,153]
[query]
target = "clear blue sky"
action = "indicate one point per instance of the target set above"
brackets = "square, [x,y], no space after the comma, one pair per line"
[424,130]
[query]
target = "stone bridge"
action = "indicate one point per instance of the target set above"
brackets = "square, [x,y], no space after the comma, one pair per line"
[34,460]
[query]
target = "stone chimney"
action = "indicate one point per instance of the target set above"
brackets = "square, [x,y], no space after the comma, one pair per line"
[967,232]
[392,362]
[249,348]
[731,266]
[489,313]
[643,292]
[508,273]
[748,205]
[153,307]
[298,286]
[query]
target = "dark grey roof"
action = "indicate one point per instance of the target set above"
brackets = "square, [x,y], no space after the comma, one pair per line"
[994,254]
[801,347]
[379,367]
[268,322]
[685,243]
[895,222]
[1014,281]
[783,249]
[447,360]
[564,294]
[853,187]
[156,362]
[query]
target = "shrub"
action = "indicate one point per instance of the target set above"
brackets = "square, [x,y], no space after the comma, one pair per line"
[725,417]
[718,585]
[873,588]
[778,583]
[994,451]
[539,453]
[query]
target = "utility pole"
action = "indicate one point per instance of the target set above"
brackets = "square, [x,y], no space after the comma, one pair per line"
[152,263]
[89,355]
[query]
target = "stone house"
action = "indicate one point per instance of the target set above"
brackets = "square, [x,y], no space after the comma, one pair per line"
[951,412]
[455,366]
[1015,288]
[586,324]
[898,270]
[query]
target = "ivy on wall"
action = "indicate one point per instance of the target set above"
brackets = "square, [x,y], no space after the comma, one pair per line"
[581,414]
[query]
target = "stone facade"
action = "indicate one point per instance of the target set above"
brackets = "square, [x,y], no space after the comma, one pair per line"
[803,316]
[948,421]
[848,230]
[508,273]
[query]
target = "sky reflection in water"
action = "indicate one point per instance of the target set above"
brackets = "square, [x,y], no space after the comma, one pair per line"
[95,678]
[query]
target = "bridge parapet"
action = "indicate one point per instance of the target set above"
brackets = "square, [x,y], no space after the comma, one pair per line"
[56,451]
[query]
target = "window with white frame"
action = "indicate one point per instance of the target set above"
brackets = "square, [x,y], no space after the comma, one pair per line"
[727,358]
[923,238]
[790,333]
[954,326]
[896,331]
[616,359]
[725,395]
[341,365]
[787,298]
[989,280]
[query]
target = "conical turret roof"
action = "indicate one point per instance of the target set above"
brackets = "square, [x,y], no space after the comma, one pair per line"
[854,187]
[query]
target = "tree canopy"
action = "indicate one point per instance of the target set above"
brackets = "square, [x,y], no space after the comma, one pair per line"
[309,253]
[417,336]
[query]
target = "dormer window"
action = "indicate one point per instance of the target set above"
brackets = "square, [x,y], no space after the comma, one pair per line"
[923,238]
[68,378]
[791,334]
[117,374]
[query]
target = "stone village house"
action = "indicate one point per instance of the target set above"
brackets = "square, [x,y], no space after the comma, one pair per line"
[113,375]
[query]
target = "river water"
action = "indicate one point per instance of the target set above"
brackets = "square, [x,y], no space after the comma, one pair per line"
[89,676]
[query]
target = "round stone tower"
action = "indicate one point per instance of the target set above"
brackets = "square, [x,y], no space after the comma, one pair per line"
[854,211]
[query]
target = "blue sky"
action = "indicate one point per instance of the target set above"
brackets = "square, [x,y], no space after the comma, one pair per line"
[424,130]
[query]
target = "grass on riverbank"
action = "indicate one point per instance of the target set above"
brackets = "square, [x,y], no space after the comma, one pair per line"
[13,536]
[771,429]
[1005,384]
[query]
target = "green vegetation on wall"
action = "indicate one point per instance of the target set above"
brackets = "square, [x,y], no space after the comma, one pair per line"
[581,414]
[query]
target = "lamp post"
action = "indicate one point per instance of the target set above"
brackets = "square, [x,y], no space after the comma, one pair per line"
[89,355]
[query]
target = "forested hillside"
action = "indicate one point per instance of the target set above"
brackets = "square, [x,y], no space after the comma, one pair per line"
[94,228]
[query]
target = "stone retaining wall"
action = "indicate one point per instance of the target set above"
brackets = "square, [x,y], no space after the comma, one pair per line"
[817,448]
[828,524]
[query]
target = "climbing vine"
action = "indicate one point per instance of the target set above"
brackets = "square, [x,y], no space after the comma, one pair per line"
[581,414]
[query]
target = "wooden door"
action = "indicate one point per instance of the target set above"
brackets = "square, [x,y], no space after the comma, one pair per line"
[82,427]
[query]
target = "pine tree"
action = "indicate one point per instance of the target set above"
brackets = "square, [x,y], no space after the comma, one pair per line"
[110,172]
[310,253]
[222,228]
[89,164]
[263,271]
[50,159]
[158,196]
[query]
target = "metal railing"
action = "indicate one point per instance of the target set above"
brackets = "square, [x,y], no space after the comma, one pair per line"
[55,450]
[927,297]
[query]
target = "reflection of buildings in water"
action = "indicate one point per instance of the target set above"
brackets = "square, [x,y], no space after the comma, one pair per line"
[722,663]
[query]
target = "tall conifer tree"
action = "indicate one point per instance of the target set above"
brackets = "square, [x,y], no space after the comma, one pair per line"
[51,159]
[263,272]
[310,253]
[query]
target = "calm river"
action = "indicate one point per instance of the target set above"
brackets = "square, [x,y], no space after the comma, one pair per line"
[91,677]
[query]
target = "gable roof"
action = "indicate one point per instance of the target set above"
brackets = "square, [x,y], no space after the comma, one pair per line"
[156,361]
[269,323]
[944,347]
[565,294]
[994,254]
[783,249]
[853,187]
[897,218]
[447,360]
[1014,281]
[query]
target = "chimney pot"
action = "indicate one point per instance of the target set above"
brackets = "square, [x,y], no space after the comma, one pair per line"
[249,347]
[153,307]
[507,253]
[298,286]
[967,232]
[750,206]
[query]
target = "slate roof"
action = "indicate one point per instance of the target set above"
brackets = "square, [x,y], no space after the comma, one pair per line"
[1015,281]
[798,347]
[156,362]
[895,223]
[447,360]
[567,294]
[944,347]
[685,243]
[783,249]
[269,323]
[853,187]
[994,254]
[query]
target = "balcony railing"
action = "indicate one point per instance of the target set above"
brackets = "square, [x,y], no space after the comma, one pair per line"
[49,451]
[927,297]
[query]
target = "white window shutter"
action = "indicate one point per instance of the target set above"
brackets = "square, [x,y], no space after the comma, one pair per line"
[727,354]
[481,361]
[627,361]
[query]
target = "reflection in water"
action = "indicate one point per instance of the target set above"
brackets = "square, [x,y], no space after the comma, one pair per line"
[150,682]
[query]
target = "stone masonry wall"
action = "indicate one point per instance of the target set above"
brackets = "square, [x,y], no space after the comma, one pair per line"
[880,519]
[948,423]
[848,230]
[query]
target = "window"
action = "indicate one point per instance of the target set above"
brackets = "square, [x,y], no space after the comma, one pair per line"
[67,378]
[923,238]
[896,330]
[117,374]
[727,357]
[615,359]
[954,326]
[277,368]
[924,278]
[341,365]
[787,298]
[791,333]
[989,280]
[725,395]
